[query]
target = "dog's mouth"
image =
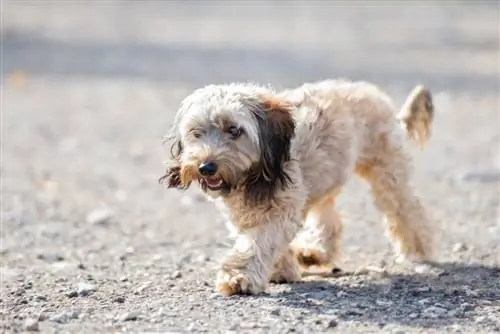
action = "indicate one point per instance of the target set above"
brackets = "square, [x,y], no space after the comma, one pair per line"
[212,183]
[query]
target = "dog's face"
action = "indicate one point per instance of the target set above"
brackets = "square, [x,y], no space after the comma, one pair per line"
[230,137]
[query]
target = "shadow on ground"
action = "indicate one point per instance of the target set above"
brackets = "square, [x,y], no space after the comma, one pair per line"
[458,291]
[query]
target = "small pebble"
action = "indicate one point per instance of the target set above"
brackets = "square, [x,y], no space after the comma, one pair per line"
[123,279]
[19,292]
[276,312]
[466,306]
[214,295]
[65,316]
[84,289]
[31,325]
[99,216]
[332,323]
[454,313]
[424,301]
[361,272]
[375,269]
[413,315]
[72,294]
[421,268]
[353,312]
[27,285]
[129,316]
[434,312]
[41,298]
[423,289]
[119,299]
[459,247]
[443,273]
[143,287]
[74,313]
[176,274]
[480,318]
[381,302]
[42,316]
[59,317]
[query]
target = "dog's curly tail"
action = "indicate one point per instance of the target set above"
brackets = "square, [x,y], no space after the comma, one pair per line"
[416,115]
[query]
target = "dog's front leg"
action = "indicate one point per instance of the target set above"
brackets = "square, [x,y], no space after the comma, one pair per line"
[250,263]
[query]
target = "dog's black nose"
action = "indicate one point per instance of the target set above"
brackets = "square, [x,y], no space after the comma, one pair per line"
[207,168]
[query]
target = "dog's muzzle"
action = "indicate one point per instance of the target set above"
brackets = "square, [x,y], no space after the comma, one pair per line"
[208,171]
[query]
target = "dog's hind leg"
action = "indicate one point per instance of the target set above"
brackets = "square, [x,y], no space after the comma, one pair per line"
[318,244]
[407,220]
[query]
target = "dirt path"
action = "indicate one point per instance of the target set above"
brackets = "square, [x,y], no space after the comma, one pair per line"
[91,243]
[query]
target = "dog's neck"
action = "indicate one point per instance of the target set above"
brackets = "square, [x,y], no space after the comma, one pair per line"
[244,214]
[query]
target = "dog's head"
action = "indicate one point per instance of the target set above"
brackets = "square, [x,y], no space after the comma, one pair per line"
[230,137]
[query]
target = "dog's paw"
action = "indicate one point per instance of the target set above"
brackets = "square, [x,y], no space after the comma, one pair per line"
[308,257]
[234,282]
[413,255]
[288,275]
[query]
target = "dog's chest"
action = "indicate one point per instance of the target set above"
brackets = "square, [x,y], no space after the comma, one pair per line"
[225,213]
[237,215]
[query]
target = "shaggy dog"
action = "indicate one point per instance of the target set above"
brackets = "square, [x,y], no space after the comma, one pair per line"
[274,162]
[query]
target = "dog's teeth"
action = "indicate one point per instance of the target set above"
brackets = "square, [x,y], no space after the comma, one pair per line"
[214,183]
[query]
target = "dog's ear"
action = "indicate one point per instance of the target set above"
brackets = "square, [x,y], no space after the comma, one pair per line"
[172,177]
[276,130]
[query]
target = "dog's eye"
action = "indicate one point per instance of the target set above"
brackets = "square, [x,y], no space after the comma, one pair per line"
[196,134]
[234,131]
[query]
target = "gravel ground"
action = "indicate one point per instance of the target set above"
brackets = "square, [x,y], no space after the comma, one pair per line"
[92,243]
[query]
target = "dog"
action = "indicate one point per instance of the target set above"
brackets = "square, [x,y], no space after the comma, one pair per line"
[274,162]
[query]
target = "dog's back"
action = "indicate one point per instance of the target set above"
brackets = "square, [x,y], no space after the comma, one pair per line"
[341,125]
[360,97]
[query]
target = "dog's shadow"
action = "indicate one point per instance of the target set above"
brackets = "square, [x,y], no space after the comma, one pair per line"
[457,293]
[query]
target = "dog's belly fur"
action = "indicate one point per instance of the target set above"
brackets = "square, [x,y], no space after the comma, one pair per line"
[337,132]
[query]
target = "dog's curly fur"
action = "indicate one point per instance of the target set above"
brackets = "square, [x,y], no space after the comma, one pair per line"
[283,157]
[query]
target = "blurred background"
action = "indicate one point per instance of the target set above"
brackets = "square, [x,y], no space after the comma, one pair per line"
[89,88]
[450,45]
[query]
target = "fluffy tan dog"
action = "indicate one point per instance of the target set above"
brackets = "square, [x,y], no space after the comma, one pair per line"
[274,162]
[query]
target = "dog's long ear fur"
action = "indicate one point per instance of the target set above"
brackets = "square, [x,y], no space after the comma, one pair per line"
[172,177]
[276,130]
